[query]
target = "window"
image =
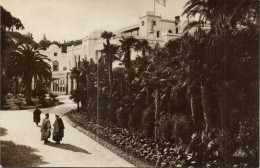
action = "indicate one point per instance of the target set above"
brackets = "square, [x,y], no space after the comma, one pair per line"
[142,23]
[55,66]
[177,31]
[158,33]
[170,31]
[64,68]
[55,54]
[154,23]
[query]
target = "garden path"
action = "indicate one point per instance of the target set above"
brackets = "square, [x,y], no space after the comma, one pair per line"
[76,150]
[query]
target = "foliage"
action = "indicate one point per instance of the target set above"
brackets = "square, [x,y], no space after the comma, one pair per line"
[193,92]
[8,21]
[53,96]
[211,149]
[29,64]
[45,43]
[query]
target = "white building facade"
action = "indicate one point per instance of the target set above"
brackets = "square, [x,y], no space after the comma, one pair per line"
[150,27]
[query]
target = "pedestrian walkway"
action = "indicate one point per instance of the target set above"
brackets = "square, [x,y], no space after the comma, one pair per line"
[76,150]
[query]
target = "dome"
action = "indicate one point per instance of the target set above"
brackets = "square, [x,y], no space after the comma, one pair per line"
[53,47]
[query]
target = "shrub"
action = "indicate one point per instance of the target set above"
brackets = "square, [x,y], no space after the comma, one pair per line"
[181,127]
[53,96]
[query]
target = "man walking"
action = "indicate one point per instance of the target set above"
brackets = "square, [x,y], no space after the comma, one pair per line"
[37,115]
[46,129]
[58,131]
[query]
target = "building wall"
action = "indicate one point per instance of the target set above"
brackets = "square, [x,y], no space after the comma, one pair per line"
[59,73]
[161,32]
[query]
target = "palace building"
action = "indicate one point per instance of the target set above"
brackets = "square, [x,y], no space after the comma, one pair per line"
[153,28]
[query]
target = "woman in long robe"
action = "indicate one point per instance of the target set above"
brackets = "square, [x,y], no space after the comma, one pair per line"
[37,115]
[46,129]
[58,131]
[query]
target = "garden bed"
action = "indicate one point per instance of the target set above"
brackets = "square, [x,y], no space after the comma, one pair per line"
[203,150]
[12,104]
[104,141]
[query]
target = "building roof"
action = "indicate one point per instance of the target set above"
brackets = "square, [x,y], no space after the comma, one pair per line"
[129,28]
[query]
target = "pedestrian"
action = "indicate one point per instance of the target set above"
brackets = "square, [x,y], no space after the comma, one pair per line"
[37,115]
[58,131]
[46,129]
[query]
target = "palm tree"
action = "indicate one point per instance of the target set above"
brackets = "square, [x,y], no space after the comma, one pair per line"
[143,46]
[127,44]
[107,47]
[110,52]
[28,63]
[221,14]
[76,95]
[227,20]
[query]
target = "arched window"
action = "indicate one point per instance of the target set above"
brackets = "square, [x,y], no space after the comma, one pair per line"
[55,66]
[170,31]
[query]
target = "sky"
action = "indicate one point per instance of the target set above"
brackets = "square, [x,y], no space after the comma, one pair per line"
[69,20]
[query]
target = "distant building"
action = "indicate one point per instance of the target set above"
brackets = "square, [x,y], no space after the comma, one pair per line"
[150,27]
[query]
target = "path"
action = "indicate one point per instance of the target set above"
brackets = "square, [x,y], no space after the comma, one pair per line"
[76,150]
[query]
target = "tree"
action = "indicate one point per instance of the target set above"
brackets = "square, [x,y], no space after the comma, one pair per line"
[220,61]
[127,44]
[110,51]
[143,46]
[44,43]
[29,64]
[8,22]
[221,14]
[76,95]
[107,36]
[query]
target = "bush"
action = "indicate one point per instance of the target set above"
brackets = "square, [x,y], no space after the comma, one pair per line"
[53,96]
[203,149]
[181,127]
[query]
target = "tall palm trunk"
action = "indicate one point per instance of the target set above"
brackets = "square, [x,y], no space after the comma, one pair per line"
[156,114]
[16,87]
[205,97]
[77,88]
[224,108]
[147,99]
[87,108]
[196,107]
[168,102]
[110,84]
[28,90]
[128,67]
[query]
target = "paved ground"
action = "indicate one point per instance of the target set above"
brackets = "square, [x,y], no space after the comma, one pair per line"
[76,150]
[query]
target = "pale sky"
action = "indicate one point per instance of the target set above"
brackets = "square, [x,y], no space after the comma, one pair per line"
[74,19]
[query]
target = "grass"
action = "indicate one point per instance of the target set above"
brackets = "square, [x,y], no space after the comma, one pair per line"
[14,155]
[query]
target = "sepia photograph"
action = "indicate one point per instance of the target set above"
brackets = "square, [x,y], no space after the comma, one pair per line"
[129,83]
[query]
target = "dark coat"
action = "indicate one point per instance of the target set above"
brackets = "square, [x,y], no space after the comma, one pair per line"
[37,116]
[58,130]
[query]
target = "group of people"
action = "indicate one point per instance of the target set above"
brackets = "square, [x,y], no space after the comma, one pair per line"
[58,127]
